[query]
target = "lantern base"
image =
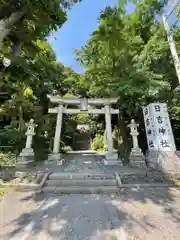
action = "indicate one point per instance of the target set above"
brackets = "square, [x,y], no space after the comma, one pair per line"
[26,157]
[56,158]
[137,158]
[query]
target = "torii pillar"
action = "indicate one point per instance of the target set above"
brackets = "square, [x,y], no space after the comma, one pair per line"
[111,156]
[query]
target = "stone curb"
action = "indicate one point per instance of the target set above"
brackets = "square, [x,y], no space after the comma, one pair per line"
[28,186]
[81,190]
[39,187]
[22,186]
[153,172]
[82,182]
[43,181]
[146,185]
[71,175]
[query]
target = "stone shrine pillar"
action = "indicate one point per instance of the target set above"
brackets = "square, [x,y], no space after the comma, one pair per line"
[57,138]
[109,129]
[111,157]
[27,154]
[136,158]
[161,153]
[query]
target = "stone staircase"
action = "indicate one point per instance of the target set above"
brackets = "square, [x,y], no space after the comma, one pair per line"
[105,183]
[86,183]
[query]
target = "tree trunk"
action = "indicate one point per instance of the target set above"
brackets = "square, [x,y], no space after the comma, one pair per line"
[16,48]
[7,24]
[125,144]
[21,119]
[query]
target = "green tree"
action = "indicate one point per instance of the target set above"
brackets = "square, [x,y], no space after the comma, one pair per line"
[27,81]
[37,18]
[128,57]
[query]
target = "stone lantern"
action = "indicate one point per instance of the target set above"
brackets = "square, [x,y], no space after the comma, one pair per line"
[27,154]
[137,158]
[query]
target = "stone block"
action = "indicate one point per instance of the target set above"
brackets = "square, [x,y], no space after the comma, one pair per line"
[167,162]
[112,159]
[81,189]
[25,158]
[137,158]
[77,182]
[57,158]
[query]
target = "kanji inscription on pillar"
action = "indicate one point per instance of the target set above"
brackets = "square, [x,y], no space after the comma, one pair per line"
[158,127]
[150,129]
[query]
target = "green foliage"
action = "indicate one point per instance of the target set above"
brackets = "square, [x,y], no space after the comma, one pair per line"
[12,137]
[105,141]
[123,58]
[98,143]
[3,190]
[31,76]
[67,149]
[27,20]
[127,56]
[82,118]
[7,159]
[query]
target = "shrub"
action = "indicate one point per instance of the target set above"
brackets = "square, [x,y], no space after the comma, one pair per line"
[7,159]
[67,149]
[12,137]
[98,143]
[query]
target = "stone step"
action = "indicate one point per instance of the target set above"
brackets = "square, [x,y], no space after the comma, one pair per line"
[80,189]
[66,176]
[77,182]
[141,178]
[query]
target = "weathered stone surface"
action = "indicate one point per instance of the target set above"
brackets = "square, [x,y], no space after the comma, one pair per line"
[137,158]
[166,162]
[112,159]
[77,182]
[80,176]
[80,183]
[26,157]
[55,157]
[81,189]
[144,178]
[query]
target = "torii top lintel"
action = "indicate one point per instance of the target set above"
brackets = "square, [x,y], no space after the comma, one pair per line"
[77,101]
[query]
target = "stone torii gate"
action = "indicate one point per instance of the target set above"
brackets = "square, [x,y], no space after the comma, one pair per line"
[85,107]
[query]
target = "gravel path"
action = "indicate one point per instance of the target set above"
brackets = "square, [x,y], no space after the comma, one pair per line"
[133,215]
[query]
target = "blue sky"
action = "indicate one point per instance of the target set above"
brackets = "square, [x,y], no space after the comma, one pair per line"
[82,21]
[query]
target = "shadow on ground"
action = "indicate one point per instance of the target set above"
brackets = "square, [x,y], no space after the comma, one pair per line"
[138,212]
[150,213]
